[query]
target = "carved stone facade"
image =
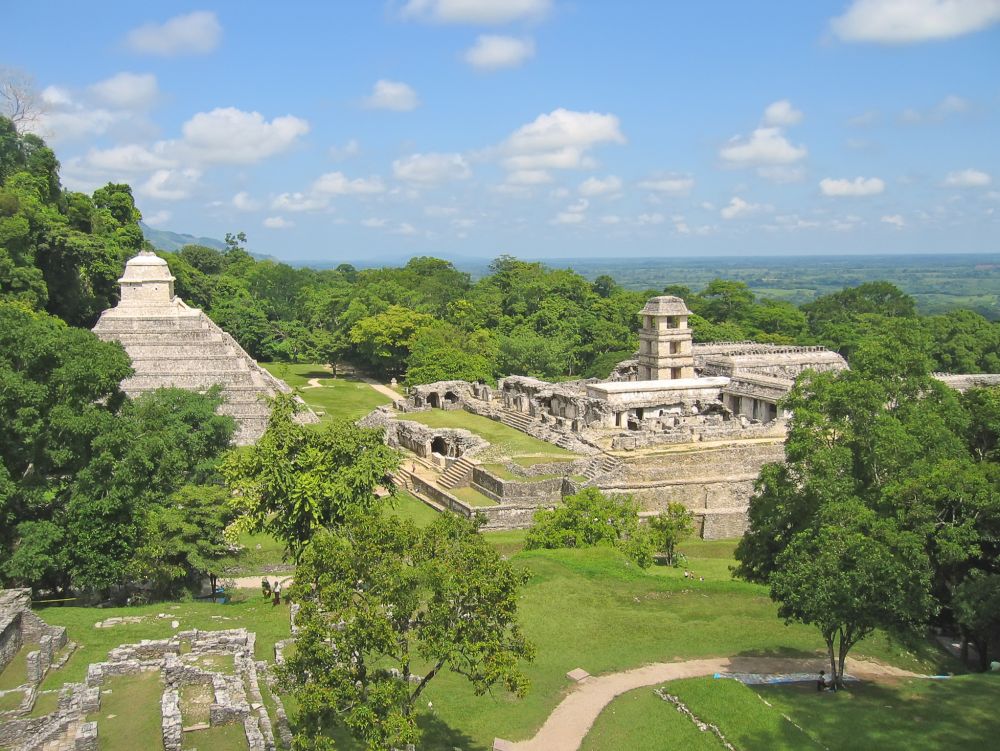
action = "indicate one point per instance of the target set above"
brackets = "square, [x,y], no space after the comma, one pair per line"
[171,344]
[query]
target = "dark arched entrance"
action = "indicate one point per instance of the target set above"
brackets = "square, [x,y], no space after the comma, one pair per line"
[433,399]
[439,446]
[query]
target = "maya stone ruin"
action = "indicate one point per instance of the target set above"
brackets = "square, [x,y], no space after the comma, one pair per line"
[172,344]
[683,422]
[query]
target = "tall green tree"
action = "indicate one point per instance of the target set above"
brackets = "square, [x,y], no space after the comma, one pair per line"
[297,480]
[385,609]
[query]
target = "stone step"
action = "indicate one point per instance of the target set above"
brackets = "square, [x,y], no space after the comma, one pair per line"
[222,364]
[150,381]
[158,324]
[165,338]
[457,475]
[179,350]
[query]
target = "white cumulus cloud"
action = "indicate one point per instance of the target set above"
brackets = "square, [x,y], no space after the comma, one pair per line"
[764,146]
[896,220]
[967,178]
[674,186]
[128,158]
[595,186]
[738,207]
[431,168]
[170,184]
[228,135]
[338,184]
[298,202]
[561,139]
[906,21]
[478,12]
[859,186]
[392,95]
[195,33]
[156,218]
[278,222]
[782,113]
[243,202]
[127,91]
[492,52]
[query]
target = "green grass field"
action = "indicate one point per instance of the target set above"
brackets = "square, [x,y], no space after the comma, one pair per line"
[412,508]
[16,672]
[594,609]
[590,608]
[336,398]
[129,717]
[511,442]
[912,715]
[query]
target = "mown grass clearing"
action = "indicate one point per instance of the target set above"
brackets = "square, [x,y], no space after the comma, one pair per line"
[220,738]
[16,672]
[595,609]
[129,717]
[335,398]
[910,715]
[472,497]
[408,506]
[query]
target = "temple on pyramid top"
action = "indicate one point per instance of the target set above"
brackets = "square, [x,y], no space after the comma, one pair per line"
[173,344]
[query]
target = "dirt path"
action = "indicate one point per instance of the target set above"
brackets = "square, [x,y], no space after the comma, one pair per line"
[382,388]
[253,582]
[570,722]
[313,384]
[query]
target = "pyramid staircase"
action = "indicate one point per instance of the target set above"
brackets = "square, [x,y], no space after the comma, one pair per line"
[178,346]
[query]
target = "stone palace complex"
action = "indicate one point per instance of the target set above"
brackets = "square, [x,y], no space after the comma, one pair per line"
[683,422]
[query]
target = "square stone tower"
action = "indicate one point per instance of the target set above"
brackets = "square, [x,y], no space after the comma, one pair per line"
[665,340]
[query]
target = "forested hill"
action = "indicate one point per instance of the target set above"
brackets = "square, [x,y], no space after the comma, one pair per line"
[62,252]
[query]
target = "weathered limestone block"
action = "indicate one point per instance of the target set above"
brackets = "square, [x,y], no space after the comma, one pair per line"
[35,670]
[86,737]
[90,699]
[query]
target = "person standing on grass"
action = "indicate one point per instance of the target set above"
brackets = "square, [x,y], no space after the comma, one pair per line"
[277,593]
[265,587]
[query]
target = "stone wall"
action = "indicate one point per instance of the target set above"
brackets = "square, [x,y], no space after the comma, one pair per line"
[537,493]
[713,477]
[10,638]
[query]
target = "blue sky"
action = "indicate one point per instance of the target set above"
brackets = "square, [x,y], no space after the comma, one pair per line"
[540,128]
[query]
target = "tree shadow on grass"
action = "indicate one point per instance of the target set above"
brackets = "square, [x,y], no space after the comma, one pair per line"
[877,716]
[436,735]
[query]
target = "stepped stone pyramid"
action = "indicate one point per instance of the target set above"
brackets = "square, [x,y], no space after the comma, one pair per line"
[173,344]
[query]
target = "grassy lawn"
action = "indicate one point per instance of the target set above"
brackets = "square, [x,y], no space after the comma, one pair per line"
[509,441]
[594,609]
[336,398]
[410,507]
[16,672]
[260,553]
[129,717]
[252,612]
[909,715]
[220,738]
[11,701]
[472,497]
[46,702]
[641,721]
